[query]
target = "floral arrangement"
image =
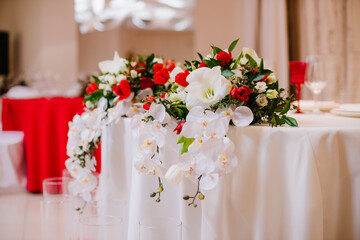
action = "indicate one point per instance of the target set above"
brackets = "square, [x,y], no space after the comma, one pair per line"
[198,104]
[122,84]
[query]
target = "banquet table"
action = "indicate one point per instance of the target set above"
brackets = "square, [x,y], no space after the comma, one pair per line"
[290,183]
[44,122]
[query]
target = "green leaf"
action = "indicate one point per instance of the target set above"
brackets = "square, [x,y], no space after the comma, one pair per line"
[216,50]
[286,107]
[261,67]
[185,143]
[266,71]
[94,97]
[187,63]
[97,80]
[200,56]
[227,73]
[258,77]
[233,45]
[251,61]
[209,63]
[290,121]
[150,59]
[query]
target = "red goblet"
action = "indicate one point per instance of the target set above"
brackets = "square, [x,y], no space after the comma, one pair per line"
[297,77]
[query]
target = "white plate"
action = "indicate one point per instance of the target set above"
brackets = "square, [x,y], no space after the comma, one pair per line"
[345,113]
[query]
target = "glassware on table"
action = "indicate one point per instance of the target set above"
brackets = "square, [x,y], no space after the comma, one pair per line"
[108,212]
[57,210]
[56,187]
[102,220]
[160,229]
[315,77]
[297,77]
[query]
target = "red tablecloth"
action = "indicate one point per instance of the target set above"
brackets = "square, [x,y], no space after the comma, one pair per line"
[44,122]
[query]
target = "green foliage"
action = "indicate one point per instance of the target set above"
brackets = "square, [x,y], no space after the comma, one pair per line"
[233,45]
[185,143]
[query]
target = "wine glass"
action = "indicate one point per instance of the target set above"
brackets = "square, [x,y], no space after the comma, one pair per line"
[315,77]
[297,77]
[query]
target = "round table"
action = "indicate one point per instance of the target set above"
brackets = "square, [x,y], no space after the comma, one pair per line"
[290,183]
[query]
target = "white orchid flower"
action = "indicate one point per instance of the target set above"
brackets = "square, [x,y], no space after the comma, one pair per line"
[198,164]
[83,185]
[113,66]
[148,166]
[158,112]
[221,151]
[206,87]
[204,123]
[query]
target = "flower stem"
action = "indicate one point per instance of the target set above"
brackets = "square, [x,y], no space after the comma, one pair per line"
[201,196]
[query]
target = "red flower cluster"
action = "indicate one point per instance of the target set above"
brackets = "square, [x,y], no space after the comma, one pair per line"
[148,102]
[161,76]
[180,78]
[123,89]
[224,58]
[202,64]
[179,127]
[92,87]
[241,93]
[140,67]
[146,83]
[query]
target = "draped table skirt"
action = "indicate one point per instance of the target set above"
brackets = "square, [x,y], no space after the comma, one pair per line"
[290,183]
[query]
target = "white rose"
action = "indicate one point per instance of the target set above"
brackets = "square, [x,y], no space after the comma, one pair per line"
[173,97]
[120,77]
[133,73]
[260,87]
[261,100]
[271,93]
[102,86]
[174,174]
[89,105]
[271,78]
[110,79]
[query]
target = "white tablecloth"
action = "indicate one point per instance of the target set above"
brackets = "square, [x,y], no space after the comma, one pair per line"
[291,183]
[12,162]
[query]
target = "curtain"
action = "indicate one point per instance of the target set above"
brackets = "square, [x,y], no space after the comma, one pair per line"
[328,28]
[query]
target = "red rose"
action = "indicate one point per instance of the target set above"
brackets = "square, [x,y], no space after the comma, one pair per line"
[224,57]
[148,102]
[92,87]
[179,127]
[202,64]
[170,65]
[180,78]
[146,83]
[157,67]
[162,76]
[140,67]
[123,89]
[241,93]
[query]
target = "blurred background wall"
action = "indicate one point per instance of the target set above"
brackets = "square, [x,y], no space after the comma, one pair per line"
[45,37]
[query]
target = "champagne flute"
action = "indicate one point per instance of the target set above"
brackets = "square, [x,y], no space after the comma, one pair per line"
[315,78]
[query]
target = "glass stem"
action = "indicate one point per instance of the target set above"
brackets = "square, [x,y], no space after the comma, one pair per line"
[316,103]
